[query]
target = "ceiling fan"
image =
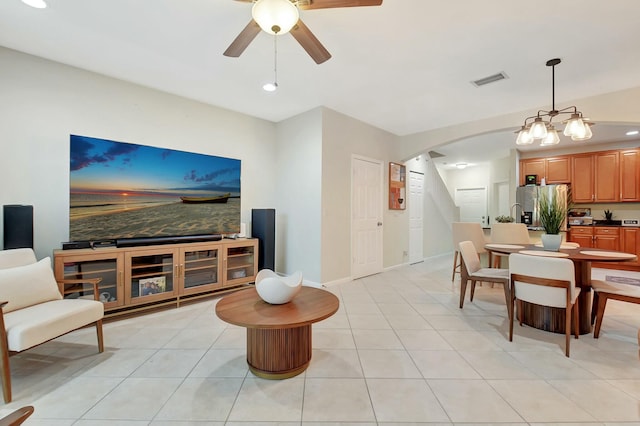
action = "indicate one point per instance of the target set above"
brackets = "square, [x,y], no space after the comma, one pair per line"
[267,15]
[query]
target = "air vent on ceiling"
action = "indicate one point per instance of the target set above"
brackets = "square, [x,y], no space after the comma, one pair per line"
[490,79]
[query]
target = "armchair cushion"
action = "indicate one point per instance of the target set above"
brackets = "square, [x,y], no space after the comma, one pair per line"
[28,285]
[39,323]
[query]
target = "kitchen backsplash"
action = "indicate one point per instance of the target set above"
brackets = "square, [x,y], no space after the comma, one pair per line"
[620,210]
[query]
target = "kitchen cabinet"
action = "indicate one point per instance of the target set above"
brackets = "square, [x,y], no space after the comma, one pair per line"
[630,175]
[606,181]
[595,177]
[554,169]
[136,278]
[615,238]
[582,235]
[602,237]
[630,241]
[582,179]
[606,238]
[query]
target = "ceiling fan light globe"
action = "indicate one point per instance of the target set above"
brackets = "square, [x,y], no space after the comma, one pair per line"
[38,4]
[575,126]
[538,129]
[270,87]
[275,16]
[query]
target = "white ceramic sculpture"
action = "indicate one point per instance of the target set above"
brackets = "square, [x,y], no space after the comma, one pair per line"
[275,289]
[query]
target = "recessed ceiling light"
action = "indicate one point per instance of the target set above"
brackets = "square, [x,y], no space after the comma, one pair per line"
[38,4]
[461,165]
[632,132]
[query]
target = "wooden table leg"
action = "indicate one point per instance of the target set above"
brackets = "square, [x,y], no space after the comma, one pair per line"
[278,353]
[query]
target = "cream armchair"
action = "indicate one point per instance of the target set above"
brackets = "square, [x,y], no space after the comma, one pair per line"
[33,311]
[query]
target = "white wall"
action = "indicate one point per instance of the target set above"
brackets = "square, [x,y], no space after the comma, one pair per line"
[342,137]
[299,182]
[615,107]
[300,167]
[44,102]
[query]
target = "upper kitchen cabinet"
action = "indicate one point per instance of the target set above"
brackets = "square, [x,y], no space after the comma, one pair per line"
[582,179]
[606,176]
[596,177]
[552,169]
[630,175]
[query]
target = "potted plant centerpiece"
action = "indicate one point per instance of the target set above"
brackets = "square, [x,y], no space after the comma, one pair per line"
[553,214]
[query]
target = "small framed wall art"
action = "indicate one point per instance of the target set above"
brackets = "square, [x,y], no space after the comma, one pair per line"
[397,186]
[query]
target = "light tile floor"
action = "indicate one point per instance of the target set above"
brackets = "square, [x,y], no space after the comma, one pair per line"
[399,350]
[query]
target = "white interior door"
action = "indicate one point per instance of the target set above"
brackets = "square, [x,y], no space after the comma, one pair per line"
[366,216]
[416,217]
[473,205]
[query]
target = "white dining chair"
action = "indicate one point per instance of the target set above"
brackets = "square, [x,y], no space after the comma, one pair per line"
[507,233]
[471,270]
[546,281]
[466,231]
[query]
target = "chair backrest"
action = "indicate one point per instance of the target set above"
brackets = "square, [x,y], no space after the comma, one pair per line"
[469,231]
[16,257]
[510,233]
[550,268]
[470,256]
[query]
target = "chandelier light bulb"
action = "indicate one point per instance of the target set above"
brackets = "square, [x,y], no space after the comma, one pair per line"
[575,126]
[275,16]
[538,129]
[524,137]
[586,136]
[551,138]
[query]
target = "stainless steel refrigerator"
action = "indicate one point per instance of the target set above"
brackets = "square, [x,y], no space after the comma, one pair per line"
[527,202]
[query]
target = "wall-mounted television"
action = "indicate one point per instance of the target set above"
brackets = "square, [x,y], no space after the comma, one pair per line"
[127,192]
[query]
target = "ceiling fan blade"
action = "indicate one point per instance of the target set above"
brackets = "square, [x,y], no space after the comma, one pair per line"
[241,42]
[327,4]
[310,43]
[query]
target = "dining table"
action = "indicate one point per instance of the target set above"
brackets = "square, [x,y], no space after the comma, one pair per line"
[553,319]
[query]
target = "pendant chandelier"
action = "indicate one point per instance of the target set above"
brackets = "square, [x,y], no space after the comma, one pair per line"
[539,127]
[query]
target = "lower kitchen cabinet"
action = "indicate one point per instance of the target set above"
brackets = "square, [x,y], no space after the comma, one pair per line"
[630,238]
[609,238]
[134,278]
[606,238]
[582,235]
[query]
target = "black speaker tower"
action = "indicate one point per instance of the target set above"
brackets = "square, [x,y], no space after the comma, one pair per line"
[18,226]
[263,227]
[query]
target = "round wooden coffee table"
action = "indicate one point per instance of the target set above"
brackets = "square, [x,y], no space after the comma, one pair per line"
[278,336]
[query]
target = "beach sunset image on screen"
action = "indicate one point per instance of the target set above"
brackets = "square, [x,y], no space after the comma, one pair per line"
[125,190]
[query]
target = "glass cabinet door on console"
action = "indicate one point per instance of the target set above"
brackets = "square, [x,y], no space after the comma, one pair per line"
[200,269]
[106,266]
[151,275]
[241,262]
